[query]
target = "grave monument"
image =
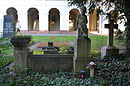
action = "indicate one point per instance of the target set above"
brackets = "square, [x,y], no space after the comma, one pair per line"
[50,49]
[21,50]
[82,46]
[110,49]
[8,30]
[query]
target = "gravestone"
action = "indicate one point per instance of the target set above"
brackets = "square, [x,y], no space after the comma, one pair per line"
[82,46]
[50,49]
[8,29]
[110,49]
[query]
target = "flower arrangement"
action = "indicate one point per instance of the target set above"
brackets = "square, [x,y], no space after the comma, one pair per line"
[91,65]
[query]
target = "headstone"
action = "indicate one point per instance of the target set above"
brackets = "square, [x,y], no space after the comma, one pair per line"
[8,30]
[110,49]
[50,49]
[82,46]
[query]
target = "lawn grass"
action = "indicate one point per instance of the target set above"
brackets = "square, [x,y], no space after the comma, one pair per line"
[96,41]
[54,38]
[6,57]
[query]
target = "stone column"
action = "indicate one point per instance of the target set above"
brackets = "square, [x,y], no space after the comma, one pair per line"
[23,18]
[43,20]
[2,20]
[64,21]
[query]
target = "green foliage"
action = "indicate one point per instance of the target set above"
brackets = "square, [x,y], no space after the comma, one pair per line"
[120,5]
[36,52]
[5,52]
[49,79]
[77,2]
[120,36]
[4,44]
[5,60]
[123,38]
[6,77]
[116,73]
[114,69]
[63,49]
[19,34]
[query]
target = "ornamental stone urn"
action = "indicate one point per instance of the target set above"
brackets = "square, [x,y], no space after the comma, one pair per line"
[21,41]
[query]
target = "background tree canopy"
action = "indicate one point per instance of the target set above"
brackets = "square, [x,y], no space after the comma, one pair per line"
[103,6]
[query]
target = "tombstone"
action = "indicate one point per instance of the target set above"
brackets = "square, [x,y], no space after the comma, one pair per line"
[82,46]
[8,29]
[50,49]
[110,49]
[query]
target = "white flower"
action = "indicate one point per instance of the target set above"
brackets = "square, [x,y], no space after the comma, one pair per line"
[92,63]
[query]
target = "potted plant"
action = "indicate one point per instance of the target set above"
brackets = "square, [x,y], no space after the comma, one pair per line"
[21,40]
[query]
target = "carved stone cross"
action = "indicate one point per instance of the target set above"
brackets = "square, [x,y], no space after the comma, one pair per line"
[111,26]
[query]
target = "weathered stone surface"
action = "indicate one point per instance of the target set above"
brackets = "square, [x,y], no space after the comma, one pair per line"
[82,51]
[82,47]
[20,55]
[80,64]
[50,62]
[20,41]
[109,50]
[21,50]
[8,29]
[50,50]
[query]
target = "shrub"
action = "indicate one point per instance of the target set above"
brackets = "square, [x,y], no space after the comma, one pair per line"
[5,49]
[64,49]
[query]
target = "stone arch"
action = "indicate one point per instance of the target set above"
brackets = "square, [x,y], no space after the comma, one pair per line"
[33,19]
[72,19]
[94,21]
[12,11]
[54,19]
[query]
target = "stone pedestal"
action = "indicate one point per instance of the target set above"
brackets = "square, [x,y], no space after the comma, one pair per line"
[20,55]
[81,52]
[109,50]
[21,50]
